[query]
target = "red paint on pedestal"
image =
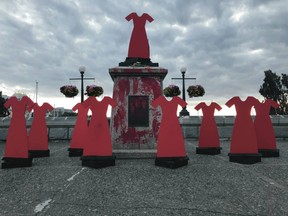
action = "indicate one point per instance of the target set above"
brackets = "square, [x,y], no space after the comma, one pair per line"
[38,136]
[208,135]
[263,125]
[244,140]
[170,140]
[17,139]
[135,81]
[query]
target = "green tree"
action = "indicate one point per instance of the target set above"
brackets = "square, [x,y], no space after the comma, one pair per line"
[276,88]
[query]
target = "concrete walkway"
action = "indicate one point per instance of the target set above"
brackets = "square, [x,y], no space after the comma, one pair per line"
[209,185]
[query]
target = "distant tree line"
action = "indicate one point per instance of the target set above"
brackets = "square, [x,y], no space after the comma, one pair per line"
[275,87]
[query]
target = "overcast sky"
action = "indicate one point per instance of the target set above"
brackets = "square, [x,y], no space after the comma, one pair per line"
[227,45]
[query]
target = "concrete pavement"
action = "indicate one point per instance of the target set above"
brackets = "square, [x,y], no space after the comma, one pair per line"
[209,185]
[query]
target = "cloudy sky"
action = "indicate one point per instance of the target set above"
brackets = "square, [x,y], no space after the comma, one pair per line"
[227,44]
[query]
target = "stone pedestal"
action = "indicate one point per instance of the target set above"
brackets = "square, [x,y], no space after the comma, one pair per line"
[134,122]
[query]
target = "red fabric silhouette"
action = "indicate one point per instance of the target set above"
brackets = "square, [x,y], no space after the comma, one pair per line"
[81,127]
[170,139]
[208,135]
[38,136]
[243,139]
[263,126]
[139,46]
[98,142]
[17,139]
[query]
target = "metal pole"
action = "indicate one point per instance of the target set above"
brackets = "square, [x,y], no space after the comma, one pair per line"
[82,70]
[36,91]
[82,88]
[183,85]
[183,112]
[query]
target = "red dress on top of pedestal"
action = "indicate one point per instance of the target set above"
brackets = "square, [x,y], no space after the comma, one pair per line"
[208,135]
[81,127]
[38,136]
[243,139]
[98,142]
[17,139]
[170,139]
[139,45]
[263,126]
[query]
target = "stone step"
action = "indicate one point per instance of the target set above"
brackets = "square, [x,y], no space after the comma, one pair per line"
[135,153]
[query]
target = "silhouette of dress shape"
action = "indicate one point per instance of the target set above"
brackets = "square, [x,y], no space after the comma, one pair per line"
[98,142]
[16,149]
[170,139]
[208,136]
[264,129]
[79,134]
[243,147]
[38,136]
[139,46]
[17,139]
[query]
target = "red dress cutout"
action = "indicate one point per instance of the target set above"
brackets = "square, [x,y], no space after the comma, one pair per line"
[38,136]
[17,139]
[208,135]
[264,129]
[81,127]
[170,139]
[139,46]
[98,142]
[243,139]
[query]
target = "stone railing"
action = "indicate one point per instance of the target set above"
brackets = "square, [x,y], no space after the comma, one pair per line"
[191,125]
[61,128]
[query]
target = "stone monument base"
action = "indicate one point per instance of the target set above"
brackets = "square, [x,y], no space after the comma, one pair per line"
[171,162]
[9,162]
[245,158]
[75,152]
[269,152]
[135,153]
[208,150]
[138,62]
[39,153]
[98,161]
[134,123]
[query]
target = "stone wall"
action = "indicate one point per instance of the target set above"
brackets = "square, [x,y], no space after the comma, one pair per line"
[61,128]
[191,125]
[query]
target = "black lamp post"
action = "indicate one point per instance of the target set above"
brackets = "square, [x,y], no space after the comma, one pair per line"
[184,111]
[82,70]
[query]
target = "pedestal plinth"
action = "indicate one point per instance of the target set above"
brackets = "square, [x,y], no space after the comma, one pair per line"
[134,122]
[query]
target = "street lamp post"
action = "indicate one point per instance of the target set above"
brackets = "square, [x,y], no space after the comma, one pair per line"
[184,111]
[82,70]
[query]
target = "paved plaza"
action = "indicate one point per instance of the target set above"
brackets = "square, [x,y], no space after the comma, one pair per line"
[209,185]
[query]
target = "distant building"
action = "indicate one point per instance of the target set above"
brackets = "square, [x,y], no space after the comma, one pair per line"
[61,111]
